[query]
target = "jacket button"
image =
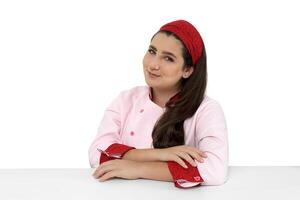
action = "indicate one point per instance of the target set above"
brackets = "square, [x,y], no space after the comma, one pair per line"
[142,110]
[131,133]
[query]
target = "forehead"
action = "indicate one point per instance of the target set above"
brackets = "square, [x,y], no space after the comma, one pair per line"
[167,43]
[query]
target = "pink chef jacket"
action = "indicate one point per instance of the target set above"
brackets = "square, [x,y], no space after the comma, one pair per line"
[130,118]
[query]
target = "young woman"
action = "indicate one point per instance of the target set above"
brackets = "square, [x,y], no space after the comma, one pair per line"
[169,130]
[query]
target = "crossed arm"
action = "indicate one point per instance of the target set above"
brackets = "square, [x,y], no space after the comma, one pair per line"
[149,163]
[165,164]
[129,169]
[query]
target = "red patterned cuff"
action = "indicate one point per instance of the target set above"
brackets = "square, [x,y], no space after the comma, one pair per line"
[184,177]
[114,151]
[104,158]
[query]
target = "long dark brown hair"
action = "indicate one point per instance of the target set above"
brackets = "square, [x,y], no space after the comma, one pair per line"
[168,130]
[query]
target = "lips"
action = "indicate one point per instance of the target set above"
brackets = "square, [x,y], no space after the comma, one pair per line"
[155,75]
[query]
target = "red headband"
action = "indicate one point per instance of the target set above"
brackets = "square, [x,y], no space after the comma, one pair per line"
[189,35]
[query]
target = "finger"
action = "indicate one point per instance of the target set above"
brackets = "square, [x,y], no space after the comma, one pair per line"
[187,157]
[196,156]
[180,161]
[96,170]
[201,153]
[107,176]
[193,149]
[104,165]
[102,170]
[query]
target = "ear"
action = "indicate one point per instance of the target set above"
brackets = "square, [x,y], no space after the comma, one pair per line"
[187,71]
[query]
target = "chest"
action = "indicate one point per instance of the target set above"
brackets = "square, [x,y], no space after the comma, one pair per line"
[138,125]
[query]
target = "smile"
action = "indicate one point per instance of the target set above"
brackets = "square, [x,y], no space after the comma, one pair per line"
[153,75]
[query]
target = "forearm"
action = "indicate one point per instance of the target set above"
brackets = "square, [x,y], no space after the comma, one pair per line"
[150,167]
[141,155]
[155,171]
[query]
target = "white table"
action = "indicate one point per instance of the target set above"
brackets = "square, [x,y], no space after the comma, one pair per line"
[244,183]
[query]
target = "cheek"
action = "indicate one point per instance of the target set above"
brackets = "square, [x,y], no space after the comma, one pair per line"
[173,75]
[173,70]
[145,60]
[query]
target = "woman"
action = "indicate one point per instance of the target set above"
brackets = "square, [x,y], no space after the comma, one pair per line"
[169,130]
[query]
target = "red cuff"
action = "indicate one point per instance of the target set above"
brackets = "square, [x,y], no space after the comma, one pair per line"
[184,177]
[104,158]
[114,151]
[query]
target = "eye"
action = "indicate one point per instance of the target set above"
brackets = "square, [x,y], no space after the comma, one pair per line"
[151,51]
[169,59]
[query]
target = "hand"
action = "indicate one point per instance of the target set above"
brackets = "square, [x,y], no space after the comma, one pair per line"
[180,153]
[126,169]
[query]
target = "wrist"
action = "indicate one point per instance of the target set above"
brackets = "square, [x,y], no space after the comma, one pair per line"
[154,154]
[129,154]
[154,171]
[141,169]
[142,155]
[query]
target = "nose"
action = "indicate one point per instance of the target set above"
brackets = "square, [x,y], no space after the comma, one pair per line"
[154,64]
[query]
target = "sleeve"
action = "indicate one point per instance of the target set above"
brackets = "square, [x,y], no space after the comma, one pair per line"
[108,133]
[211,137]
[184,177]
[114,151]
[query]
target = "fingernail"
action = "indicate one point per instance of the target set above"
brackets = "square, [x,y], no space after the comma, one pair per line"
[185,166]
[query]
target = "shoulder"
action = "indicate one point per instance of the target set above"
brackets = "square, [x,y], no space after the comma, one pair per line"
[209,101]
[210,116]
[128,97]
[134,92]
[209,106]
[131,95]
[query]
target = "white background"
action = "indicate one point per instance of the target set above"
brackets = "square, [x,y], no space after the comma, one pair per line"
[62,62]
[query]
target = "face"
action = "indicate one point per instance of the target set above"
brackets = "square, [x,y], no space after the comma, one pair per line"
[163,63]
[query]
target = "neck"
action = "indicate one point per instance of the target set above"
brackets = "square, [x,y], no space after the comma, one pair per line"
[161,97]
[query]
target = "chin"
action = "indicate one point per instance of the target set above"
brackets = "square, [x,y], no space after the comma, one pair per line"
[151,83]
[148,82]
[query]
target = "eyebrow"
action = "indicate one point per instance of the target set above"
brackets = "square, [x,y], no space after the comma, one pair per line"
[164,52]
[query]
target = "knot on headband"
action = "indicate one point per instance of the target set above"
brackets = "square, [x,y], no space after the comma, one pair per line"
[189,35]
